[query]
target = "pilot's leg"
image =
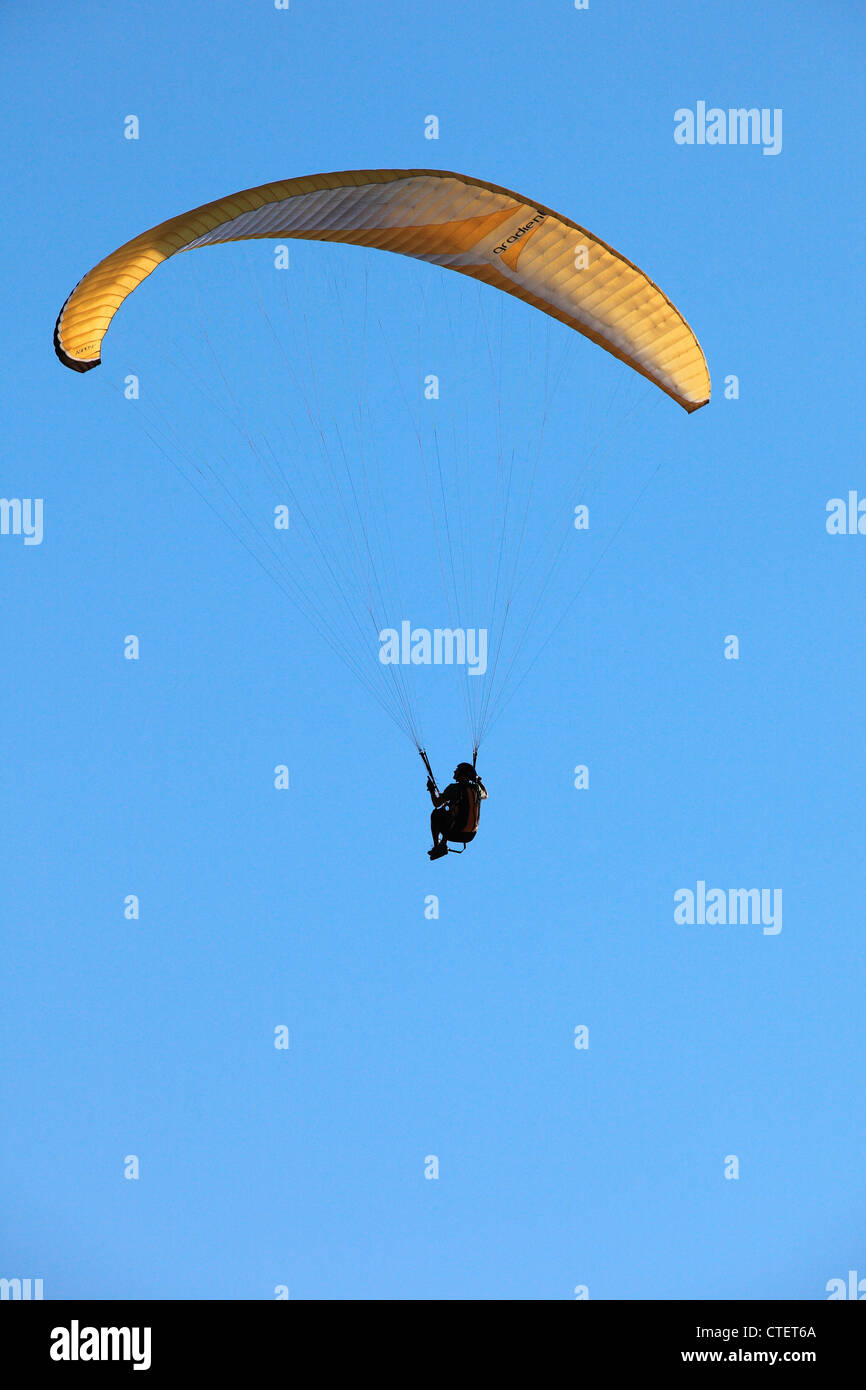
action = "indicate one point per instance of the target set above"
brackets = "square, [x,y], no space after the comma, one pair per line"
[440,821]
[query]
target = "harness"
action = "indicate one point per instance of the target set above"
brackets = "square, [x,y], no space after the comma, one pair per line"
[468,811]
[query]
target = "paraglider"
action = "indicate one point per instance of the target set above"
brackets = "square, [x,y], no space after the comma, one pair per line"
[480,230]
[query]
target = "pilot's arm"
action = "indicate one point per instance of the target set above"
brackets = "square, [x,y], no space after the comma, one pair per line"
[438,798]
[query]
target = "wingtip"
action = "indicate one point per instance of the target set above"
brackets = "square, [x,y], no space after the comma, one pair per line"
[75,364]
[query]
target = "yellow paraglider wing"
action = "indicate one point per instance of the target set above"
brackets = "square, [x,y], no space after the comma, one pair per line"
[447,219]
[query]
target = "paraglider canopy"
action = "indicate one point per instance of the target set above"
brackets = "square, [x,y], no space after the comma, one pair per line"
[465,224]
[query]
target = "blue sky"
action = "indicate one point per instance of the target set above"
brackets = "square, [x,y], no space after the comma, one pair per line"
[306,908]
